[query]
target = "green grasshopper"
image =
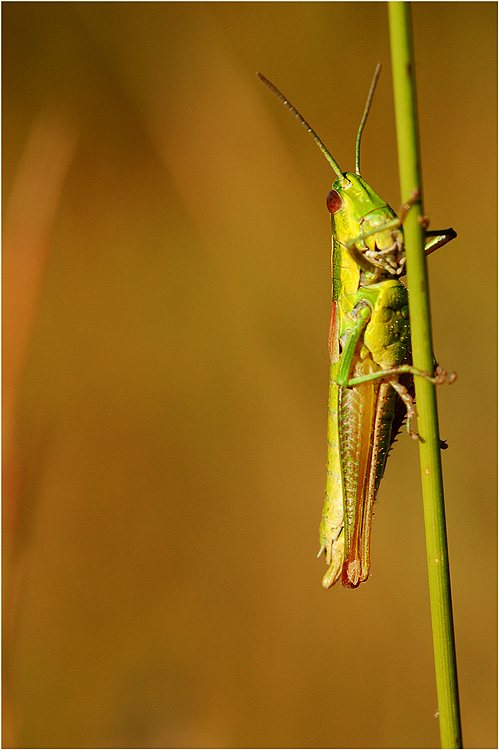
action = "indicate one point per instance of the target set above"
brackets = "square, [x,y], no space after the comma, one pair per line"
[371,374]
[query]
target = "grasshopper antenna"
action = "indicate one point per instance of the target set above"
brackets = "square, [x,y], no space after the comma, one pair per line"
[364,117]
[305,124]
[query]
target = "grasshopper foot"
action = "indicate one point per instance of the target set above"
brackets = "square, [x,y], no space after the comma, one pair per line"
[422,220]
[442,376]
[404,208]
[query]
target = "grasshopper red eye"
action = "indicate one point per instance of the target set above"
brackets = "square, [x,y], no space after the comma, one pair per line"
[333,201]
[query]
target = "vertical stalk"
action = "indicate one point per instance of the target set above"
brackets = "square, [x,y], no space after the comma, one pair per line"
[422,351]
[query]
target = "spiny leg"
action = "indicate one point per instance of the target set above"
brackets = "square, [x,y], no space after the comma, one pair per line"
[441,376]
[409,405]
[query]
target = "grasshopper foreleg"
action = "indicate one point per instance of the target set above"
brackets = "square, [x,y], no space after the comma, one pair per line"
[362,314]
[392,223]
[435,238]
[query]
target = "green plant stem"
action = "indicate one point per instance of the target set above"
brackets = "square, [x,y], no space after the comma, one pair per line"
[431,470]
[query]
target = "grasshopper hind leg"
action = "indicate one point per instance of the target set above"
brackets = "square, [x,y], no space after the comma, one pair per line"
[406,393]
[408,400]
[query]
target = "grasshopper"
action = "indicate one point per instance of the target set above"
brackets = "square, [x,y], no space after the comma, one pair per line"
[371,385]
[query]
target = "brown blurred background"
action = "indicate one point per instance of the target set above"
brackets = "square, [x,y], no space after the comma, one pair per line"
[166,310]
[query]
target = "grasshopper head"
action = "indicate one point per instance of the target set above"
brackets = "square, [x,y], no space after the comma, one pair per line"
[352,196]
[362,223]
[366,225]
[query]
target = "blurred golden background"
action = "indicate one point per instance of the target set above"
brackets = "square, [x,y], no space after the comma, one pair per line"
[166,311]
